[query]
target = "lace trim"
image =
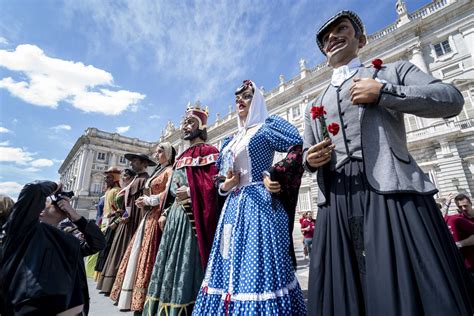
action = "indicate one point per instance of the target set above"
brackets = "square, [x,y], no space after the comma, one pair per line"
[265,296]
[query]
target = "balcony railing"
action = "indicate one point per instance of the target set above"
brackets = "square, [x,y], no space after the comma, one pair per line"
[428,9]
[447,126]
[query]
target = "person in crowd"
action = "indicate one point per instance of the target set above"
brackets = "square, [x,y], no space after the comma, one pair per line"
[250,270]
[91,261]
[307,228]
[100,206]
[6,206]
[377,222]
[56,283]
[444,208]
[462,229]
[303,217]
[133,277]
[110,216]
[188,224]
[130,219]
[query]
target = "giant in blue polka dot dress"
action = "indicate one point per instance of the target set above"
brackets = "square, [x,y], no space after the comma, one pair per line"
[250,271]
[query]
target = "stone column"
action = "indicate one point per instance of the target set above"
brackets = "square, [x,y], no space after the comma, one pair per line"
[80,172]
[86,172]
[113,159]
[451,177]
[467,32]
[417,58]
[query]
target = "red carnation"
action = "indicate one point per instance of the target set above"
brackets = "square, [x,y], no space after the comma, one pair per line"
[377,63]
[317,111]
[333,128]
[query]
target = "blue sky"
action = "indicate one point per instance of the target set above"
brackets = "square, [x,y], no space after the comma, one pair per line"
[130,66]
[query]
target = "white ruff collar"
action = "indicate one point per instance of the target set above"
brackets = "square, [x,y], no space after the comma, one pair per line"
[342,73]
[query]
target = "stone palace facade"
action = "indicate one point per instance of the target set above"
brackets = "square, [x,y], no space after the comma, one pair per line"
[438,38]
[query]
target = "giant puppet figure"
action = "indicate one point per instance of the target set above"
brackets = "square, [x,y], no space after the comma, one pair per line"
[131,216]
[188,223]
[381,246]
[250,271]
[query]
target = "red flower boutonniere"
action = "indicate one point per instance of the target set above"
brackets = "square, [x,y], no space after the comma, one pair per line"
[377,63]
[333,128]
[317,112]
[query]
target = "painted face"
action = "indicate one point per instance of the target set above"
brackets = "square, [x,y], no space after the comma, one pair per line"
[340,43]
[160,155]
[109,180]
[466,208]
[125,179]
[243,101]
[190,128]
[138,165]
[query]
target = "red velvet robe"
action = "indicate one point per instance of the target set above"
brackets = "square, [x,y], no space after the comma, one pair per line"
[199,161]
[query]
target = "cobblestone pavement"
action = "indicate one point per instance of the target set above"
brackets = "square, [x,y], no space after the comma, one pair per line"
[102,305]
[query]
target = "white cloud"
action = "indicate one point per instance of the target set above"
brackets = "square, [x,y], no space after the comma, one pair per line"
[16,155]
[107,102]
[31,169]
[61,127]
[20,156]
[10,188]
[3,41]
[5,143]
[206,45]
[42,163]
[155,117]
[4,130]
[52,80]
[122,129]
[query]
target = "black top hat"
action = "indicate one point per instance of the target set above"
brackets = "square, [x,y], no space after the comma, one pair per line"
[144,157]
[352,16]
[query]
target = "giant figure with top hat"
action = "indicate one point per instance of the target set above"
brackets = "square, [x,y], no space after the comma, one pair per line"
[382,247]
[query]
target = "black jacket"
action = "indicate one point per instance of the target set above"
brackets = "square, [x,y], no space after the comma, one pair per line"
[41,267]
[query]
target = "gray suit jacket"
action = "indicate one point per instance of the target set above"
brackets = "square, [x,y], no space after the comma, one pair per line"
[389,166]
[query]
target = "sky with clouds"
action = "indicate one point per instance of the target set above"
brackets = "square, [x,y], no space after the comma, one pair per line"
[130,66]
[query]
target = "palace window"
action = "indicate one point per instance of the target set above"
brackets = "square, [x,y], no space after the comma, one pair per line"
[295,111]
[442,48]
[100,156]
[122,160]
[96,188]
[304,200]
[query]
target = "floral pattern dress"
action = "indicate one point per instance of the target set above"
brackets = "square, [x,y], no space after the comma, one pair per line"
[131,283]
[177,273]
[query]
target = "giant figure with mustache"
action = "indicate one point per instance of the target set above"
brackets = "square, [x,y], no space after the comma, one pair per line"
[381,246]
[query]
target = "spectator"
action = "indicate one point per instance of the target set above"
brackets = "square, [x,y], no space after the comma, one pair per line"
[56,283]
[303,217]
[462,228]
[307,228]
[100,210]
[6,205]
[444,208]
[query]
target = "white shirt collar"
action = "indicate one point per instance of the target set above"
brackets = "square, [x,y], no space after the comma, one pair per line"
[342,73]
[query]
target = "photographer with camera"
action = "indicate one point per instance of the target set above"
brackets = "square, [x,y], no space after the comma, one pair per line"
[41,267]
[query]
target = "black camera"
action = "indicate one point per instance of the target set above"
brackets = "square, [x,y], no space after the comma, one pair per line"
[58,196]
